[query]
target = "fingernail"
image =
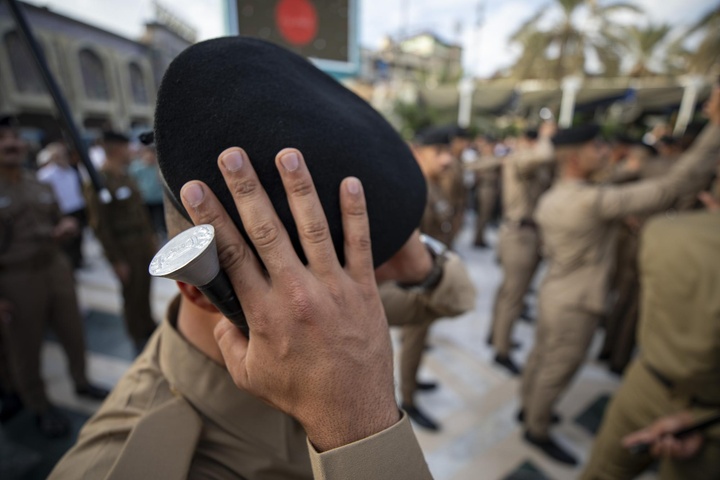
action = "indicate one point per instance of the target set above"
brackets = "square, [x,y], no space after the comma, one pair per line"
[233,161]
[290,161]
[193,194]
[353,185]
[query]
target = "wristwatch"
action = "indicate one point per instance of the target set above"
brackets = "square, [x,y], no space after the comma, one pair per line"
[438,252]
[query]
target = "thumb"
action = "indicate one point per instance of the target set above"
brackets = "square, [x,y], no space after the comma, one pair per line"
[234,347]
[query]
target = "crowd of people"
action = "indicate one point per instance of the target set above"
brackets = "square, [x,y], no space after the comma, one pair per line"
[628,231]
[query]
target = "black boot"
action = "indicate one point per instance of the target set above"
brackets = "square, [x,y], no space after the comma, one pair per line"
[422,420]
[551,449]
[554,418]
[10,405]
[426,386]
[508,364]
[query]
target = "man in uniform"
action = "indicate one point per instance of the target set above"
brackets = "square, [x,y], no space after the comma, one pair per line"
[577,223]
[126,234]
[678,369]
[486,189]
[36,284]
[519,241]
[316,393]
[65,181]
[416,307]
[452,181]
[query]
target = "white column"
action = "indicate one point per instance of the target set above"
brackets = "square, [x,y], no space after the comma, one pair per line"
[466,87]
[570,87]
[692,86]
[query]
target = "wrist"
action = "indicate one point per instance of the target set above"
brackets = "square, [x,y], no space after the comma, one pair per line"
[349,425]
[432,276]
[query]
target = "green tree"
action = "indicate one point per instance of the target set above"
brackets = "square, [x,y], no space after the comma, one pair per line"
[644,43]
[562,48]
[707,53]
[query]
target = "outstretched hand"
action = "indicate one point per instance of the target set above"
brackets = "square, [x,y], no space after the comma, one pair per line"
[319,348]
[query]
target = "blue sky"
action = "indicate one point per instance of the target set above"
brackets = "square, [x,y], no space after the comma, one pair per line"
[455,20]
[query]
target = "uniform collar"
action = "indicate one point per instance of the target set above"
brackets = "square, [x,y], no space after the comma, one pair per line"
[209,388]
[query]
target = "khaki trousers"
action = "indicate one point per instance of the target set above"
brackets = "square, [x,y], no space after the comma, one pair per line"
[641,400]
[136,292]
[561,342]
[42,296]
[406,310]
[486,199]
[518,249]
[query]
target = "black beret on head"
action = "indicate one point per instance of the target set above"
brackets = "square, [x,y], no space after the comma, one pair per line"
[576,135]
[245,92]
[437,135]
[7,121]
[531,134]
[114,137]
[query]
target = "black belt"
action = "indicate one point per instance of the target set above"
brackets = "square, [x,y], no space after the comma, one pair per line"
[523,223]
[670,385]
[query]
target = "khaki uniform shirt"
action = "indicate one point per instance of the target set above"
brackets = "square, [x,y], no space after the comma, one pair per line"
[438,216]
[124,221]
[523,181]
[577,223]
[453,296]
[176,414]
[679,332]
[28,216]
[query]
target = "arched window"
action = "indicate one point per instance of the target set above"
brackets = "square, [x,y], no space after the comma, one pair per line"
[93,75]
[24,71]
[137,85]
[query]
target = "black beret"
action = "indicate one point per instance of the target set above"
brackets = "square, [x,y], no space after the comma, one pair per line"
[116,137]
[7,121]
[245,92]
[436,135]
[576,135]
[531,133]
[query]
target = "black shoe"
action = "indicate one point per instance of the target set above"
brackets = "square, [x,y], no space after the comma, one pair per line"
[10,405]
[52,423]
[92,391]
[604,356]
[480,244]
[554,418]
[508,364]
[417,416]
[551,449]
[526,317]
[426,386]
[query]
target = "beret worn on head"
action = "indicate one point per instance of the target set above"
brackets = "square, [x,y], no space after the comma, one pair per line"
[7,121]
[576,135]
[115,137]
[245,92]
[437,135]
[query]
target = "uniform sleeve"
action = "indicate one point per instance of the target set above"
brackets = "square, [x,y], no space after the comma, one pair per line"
[688,175]
[393,454]
[98,215]
[483,164]
[528,160]
[453,296]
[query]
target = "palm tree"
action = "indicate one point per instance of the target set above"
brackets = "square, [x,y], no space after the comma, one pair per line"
[562,49]
[643,44]
[707,53]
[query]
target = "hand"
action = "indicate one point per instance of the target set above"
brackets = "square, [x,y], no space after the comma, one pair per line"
[6,309]
[122,271]
[319,347]
[663,444]
[66,227]
[547,129]
[711,203]
[712,106]
[411,264]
